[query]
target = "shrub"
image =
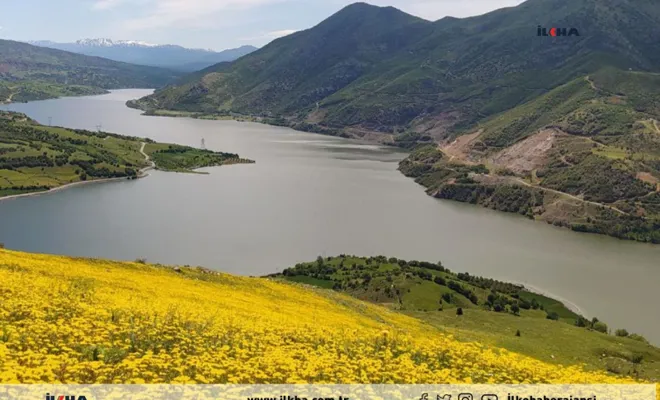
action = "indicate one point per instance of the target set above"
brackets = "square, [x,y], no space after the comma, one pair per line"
[141,260]
[600,327]
[621,333]
[518,333]
[459,311]
[2,245]
[552,316]
[639,338]
[515,309]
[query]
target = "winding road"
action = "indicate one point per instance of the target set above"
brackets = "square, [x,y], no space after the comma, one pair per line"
[148,159]
[569,196]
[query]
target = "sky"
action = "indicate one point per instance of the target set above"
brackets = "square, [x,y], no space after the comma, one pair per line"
[209,24]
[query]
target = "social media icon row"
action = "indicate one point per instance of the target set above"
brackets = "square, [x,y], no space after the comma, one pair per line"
[462,396]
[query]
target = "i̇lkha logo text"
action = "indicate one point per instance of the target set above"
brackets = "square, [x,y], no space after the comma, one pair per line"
[554,32]
[65,397]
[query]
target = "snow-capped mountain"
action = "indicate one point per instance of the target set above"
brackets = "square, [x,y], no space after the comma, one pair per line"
[138,52]
[103,42]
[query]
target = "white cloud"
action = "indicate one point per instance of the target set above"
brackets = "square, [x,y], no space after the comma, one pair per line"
[179,15]
[106,4]
[279,34]
[187,13]
[268,36]
[436,9]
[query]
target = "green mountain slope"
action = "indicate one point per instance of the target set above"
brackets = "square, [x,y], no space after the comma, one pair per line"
[491,311]
[472,68]
[379,69]
[30,73]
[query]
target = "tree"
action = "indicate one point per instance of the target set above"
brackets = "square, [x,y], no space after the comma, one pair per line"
[446,297]
[491,299]
[459,311]
[552,316]
[621,333]
[600,327]
[535,304]
[515,310]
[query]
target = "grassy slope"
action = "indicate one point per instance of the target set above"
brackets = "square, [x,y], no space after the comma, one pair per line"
[34,73]
[135,323]
[36,158]
[559,342]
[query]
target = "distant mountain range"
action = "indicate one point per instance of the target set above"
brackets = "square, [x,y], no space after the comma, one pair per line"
[30,72]
[564,129]
[142,53]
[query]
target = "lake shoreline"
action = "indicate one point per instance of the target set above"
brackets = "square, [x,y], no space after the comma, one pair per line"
[141,174]
[65,187]
[567,303]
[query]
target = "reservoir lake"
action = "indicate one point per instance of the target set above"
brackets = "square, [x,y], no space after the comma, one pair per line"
[310,195]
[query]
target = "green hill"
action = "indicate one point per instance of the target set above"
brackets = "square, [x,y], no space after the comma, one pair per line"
[379,69]
[33,73]
[493,312]
[35,158]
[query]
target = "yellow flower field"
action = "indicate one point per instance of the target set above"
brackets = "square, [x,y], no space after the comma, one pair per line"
[68,320]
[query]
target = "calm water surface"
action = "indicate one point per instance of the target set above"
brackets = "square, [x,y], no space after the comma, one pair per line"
[309,195]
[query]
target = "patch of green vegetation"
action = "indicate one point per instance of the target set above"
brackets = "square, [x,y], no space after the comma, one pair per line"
[614,153]
[177,158]
[419,285]
[308,280]
[512,126]
[597,179]
[497,311]
[36,158]
[25,91]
